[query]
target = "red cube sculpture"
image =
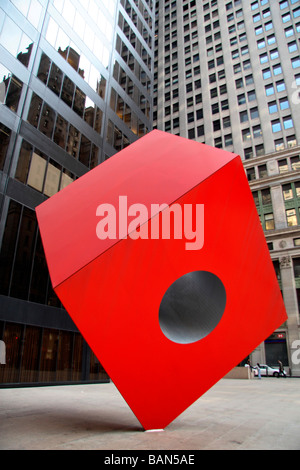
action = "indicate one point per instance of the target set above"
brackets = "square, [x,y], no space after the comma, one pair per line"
[159,257]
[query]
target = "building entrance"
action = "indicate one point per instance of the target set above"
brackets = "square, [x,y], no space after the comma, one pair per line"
[275,348]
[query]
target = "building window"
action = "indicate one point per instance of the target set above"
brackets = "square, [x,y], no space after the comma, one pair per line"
[291,217]
[276,126]
[246,134]
[284,103]
[269,222]
[257,132]
[244,116]
[287,192]
[251,174]
[280,86]
[228,140]
[269,90]
[277,69]
[191,133]
[296,62]
[248,153]
[283,166]
[262,171]
[288,122]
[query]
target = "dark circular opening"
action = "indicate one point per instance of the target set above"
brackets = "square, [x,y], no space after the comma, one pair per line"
[192,307]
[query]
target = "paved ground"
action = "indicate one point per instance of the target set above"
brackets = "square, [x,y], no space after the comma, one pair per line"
[234,414]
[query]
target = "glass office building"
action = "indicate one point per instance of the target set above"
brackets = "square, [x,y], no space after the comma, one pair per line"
[75,88]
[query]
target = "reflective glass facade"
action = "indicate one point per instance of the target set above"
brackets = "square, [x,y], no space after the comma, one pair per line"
[75,88]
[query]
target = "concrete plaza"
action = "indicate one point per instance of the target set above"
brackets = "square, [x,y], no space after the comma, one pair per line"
[233,415]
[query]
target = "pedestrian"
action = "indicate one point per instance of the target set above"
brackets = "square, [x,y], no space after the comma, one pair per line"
[280,368]
[258,370]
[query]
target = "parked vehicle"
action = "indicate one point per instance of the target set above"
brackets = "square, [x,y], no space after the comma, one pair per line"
[267,371]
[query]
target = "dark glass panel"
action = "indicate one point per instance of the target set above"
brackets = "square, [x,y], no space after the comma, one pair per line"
[67,91]
[55,79]
[14,93]
[94,156]
[35,110]
[98,120]
[64,358]
[52,299]
[52,180]
[13,342]
[89,113]
[85,150]
[73,141]
[77,358]
[40,276]
[24,254]
[79,102]
[48,355]
[4,142]
[9,245]
[47,120]
[60,131]
[44,68]
[23,162]
[30,355]
[73,58]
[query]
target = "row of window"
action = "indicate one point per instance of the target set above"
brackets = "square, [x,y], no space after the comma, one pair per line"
[77,60]
[131,89]
[232,4]
[15,40]
[117,139]
[40,172]
[23,268]
[56,36]
[133,64]
[288,16]
[46,355]
[291,194]
[261,15]
[124,112]
[284,165]
[285,142]
[137,20]
[134,41]
[58,129]
[257,3]
[141,7]
[283,123]
[58,82]
[5,134]
[279,87]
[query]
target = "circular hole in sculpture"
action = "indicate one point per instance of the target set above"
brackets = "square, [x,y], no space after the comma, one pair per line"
[192,307]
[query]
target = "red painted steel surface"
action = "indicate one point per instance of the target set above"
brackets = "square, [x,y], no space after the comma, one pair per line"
[113,290]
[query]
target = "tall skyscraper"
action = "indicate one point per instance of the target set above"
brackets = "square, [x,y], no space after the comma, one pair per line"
[227,73]
[75,88]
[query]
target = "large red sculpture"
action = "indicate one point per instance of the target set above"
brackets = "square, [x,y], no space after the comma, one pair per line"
[167,313]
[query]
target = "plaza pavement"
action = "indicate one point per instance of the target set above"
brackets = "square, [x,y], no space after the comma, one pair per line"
[233,415]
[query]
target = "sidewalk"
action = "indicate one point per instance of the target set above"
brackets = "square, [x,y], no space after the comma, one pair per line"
[234,414]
